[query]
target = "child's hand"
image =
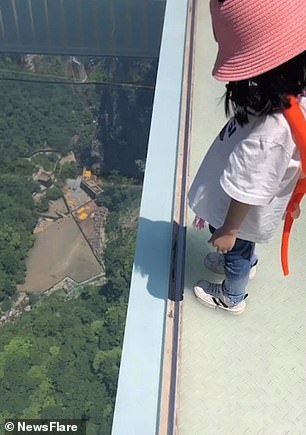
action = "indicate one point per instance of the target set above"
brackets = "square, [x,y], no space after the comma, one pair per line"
[223,239]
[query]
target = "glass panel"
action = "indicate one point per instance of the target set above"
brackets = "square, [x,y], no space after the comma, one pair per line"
[73,140]
[96,27]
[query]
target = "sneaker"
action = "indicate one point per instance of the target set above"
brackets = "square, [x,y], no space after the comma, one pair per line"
[215,262]
[212,296]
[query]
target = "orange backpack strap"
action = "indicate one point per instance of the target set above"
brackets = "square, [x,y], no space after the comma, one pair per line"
[297,123]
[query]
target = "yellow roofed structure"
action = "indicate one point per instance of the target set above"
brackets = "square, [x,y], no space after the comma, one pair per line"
[83,216]
[87,175]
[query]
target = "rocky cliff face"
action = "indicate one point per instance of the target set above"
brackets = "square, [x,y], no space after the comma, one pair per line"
[125,115]
[122,121]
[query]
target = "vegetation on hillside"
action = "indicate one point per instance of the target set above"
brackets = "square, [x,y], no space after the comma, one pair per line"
[34,117]
[61,359]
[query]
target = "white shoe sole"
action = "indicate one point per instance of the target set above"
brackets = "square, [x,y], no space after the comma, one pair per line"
[253,272]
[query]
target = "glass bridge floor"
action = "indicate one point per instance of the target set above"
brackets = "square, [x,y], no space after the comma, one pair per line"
[239,374]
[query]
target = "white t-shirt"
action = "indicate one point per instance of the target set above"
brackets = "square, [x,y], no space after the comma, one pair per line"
[257,164]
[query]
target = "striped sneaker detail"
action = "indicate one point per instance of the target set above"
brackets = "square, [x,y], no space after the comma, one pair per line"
[215,301]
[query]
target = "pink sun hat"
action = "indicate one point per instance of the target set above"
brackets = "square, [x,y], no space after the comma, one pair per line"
[255,36]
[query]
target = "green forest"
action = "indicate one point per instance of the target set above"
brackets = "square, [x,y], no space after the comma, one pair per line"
[61,359]
[33,117]
[62,117]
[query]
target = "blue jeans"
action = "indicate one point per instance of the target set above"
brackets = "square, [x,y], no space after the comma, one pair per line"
[238,263]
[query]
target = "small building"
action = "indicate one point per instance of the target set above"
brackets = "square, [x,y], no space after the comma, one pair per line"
[91,188]
[87,174]
[45,179]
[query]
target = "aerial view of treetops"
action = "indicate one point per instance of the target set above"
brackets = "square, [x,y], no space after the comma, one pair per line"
[71,171]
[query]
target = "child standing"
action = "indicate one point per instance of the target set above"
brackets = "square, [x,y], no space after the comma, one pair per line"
[246,180]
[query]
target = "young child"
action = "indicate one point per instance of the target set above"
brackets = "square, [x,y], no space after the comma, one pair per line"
[247,177]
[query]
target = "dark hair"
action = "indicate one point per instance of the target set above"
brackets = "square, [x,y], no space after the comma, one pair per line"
[268,92]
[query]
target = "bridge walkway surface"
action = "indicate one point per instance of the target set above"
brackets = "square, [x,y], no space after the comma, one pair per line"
[239,374]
